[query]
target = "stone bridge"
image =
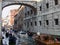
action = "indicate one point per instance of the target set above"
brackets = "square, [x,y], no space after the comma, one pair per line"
[32,4]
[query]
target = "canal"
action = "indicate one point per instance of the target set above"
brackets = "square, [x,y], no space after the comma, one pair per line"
[26,41]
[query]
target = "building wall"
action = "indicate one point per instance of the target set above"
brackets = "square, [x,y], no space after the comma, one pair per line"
[48,17]
[13,12]
[53,12]
[19,18]
[50,14]
[26,23]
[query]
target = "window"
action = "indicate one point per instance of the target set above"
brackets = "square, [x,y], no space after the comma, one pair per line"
[15,22]
[31,23]
[56,21]
[40,22]
[31,11]
[27,24]
[28,12]
[47,22]
[40,8]
[56,2]
[35,23]
[25,14]
[47,5]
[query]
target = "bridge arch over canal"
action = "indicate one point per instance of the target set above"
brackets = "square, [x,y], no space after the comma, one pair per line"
[26,3]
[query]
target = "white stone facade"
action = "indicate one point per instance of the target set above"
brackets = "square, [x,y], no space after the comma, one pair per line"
[27,19]
[47,21]
[53,12]
[50,14]
[18,20]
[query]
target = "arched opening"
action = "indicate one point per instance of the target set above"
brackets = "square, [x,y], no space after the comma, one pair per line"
[33,8]
[28,5]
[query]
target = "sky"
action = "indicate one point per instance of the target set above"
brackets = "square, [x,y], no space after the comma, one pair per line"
[6,10]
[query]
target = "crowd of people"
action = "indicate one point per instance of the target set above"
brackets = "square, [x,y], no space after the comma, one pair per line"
[8,37]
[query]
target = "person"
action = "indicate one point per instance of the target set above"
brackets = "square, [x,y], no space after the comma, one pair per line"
[11,31]
[5,40]
[3,37]
[12,39]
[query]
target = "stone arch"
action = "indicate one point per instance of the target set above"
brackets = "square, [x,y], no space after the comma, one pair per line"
[33,8]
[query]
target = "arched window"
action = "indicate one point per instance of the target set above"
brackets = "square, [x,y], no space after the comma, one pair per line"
[40,23]
[47,22]
[56,2]
[35,23]
[47,5]
[56,21]
[40,8]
